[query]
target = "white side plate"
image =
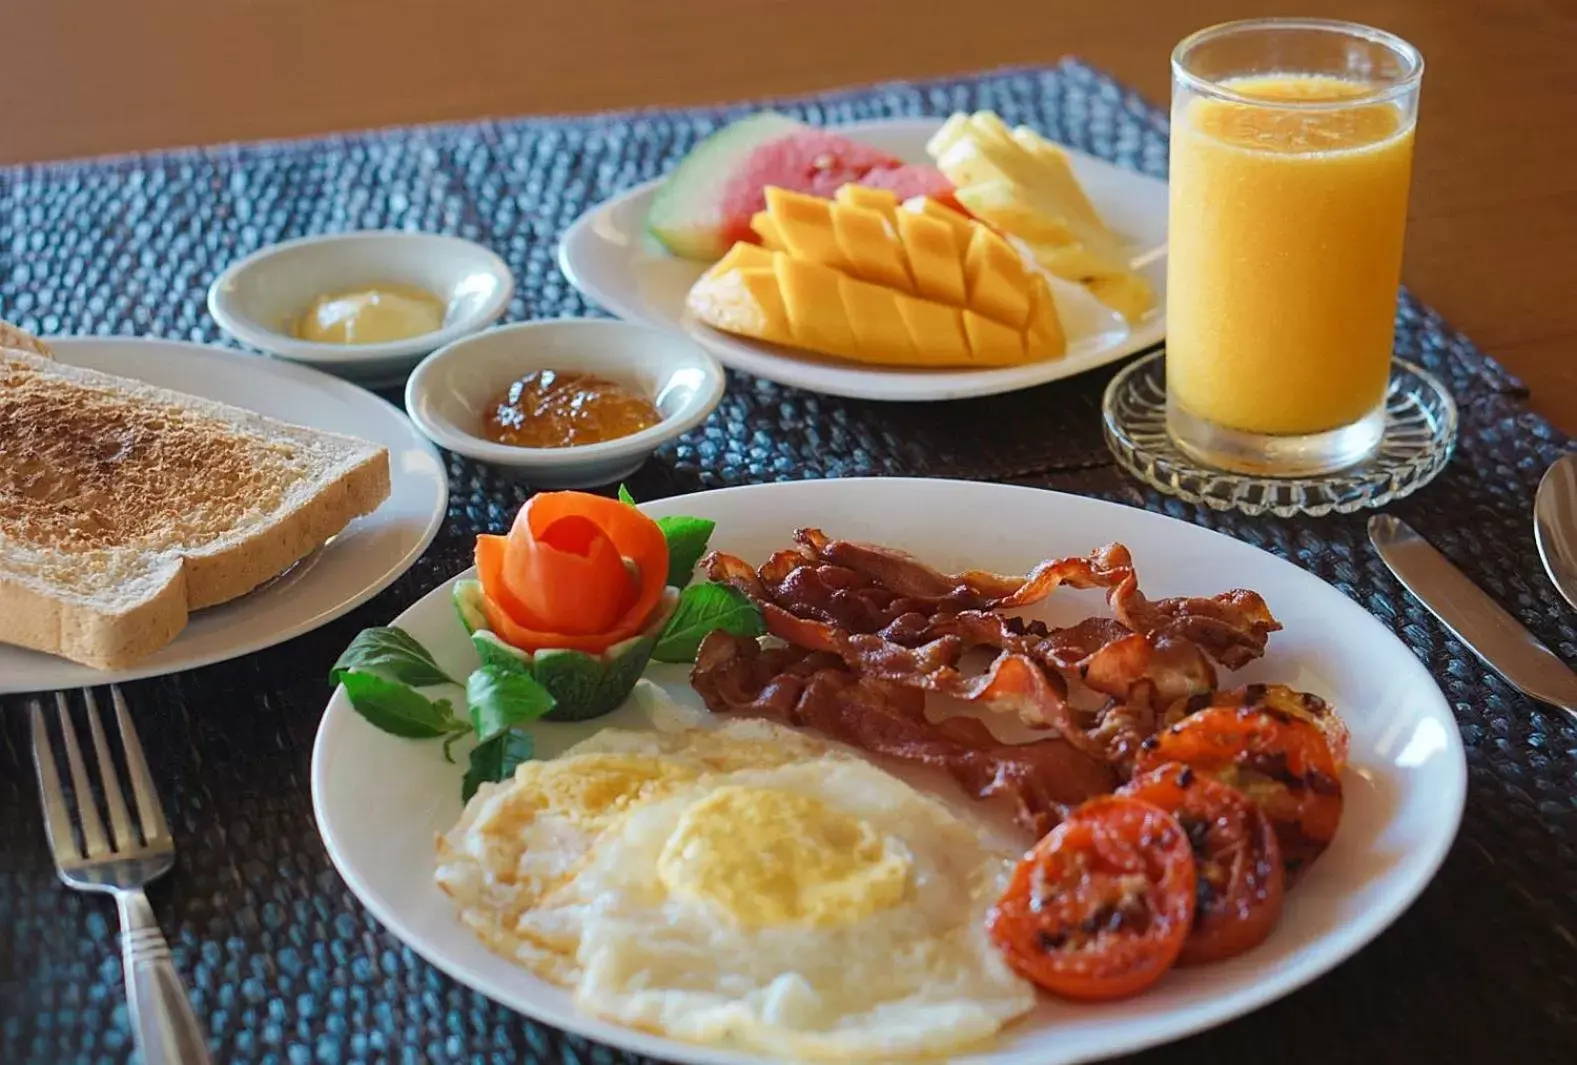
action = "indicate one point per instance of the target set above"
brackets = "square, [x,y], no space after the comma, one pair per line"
[347,571]
[381,801]
[609,257]
[258,299]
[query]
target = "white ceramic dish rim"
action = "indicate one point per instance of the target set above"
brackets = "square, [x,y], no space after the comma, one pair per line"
[1342,942]
[250,331]
[645,441]
[73,674]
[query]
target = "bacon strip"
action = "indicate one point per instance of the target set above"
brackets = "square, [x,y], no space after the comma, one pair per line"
[1231,627]
[1042,779]
[1014,682]
[906,576]
[886,617]
[865,588]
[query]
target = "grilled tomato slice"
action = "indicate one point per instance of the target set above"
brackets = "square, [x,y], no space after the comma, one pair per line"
[1278,698]
[1280,761]
[1100,908]
[1238,861]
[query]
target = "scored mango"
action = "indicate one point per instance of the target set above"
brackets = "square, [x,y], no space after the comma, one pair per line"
[920,248]
[770,294]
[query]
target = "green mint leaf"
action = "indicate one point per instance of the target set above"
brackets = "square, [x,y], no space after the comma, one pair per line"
[625,497]
[397,708]
[702,610]
[501,698]
[687,539]
[496,760]
[393,653]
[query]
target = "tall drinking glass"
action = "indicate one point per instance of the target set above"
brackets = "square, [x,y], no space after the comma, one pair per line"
[1292,148]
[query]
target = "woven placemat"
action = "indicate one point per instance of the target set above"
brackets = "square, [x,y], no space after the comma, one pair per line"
[284,964]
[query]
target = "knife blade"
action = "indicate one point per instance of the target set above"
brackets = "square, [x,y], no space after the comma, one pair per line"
[1472,616]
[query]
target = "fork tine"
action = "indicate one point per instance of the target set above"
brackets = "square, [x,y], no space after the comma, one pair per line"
[121,834]
[154,829]
[87,810]
[57,819]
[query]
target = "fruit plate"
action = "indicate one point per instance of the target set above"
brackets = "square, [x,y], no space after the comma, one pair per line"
[608,255]
[362,560]
[381,801]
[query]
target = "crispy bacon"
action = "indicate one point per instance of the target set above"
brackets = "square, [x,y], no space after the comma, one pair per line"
[872,631]
[1173,668]
[1024,678]
[816,690]
[1014,682]
[906,576]
[1231,627]
[826,593]
[1101,652]
[866,588]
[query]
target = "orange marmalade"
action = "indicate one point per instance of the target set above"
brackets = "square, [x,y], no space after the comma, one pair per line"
[552,408]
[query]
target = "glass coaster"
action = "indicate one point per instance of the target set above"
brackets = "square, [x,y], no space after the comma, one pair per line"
[1420,432]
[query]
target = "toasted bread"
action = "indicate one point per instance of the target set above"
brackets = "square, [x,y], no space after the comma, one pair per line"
[21,340]
[123,506]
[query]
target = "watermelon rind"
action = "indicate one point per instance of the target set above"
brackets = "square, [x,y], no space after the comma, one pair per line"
[583,685]
[495,652]
[467,596]
[684,216]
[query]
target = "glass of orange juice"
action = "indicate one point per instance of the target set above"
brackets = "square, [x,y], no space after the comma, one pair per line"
[1291,154]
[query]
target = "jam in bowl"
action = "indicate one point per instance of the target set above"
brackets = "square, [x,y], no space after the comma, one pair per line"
[564,403]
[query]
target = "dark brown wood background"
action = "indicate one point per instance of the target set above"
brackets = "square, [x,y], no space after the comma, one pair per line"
[1493,234]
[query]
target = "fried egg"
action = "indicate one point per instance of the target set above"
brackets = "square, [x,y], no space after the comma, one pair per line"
[518,840]
[745,885]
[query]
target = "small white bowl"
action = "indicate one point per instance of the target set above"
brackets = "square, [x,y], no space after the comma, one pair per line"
[449,393]
[259,299]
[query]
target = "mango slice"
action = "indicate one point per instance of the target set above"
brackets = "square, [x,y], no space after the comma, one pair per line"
[920,248]
[772,295]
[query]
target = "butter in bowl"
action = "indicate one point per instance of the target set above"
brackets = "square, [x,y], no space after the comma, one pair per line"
[565,402]
[366,306]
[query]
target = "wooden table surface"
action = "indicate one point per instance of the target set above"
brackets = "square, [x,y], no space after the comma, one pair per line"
[1492,238]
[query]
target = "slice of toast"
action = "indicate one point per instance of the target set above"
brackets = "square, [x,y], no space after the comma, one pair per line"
[123,506]
[21,340]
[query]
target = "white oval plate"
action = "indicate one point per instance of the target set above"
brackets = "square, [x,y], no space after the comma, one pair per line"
[609,257]
[381,801]
[347,571]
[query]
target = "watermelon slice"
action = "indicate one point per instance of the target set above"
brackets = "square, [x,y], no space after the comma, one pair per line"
[705,205]
[915,179]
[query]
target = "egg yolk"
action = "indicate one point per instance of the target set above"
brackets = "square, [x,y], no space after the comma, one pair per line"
[588,789]
[769,857]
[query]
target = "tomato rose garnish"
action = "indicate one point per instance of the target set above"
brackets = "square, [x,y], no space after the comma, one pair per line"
[577,572]
[1101,907]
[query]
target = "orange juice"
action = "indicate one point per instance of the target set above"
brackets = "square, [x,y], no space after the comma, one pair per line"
[1285,252]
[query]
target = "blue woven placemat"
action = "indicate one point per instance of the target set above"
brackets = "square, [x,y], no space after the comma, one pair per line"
[284,964]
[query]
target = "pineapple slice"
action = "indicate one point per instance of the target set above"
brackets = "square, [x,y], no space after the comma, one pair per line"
[1128,294]
[1024,185]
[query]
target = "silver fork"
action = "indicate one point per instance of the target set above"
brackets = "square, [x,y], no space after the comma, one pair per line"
[162,1020]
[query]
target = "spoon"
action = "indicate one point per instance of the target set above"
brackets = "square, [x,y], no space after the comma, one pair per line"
[1555,525]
